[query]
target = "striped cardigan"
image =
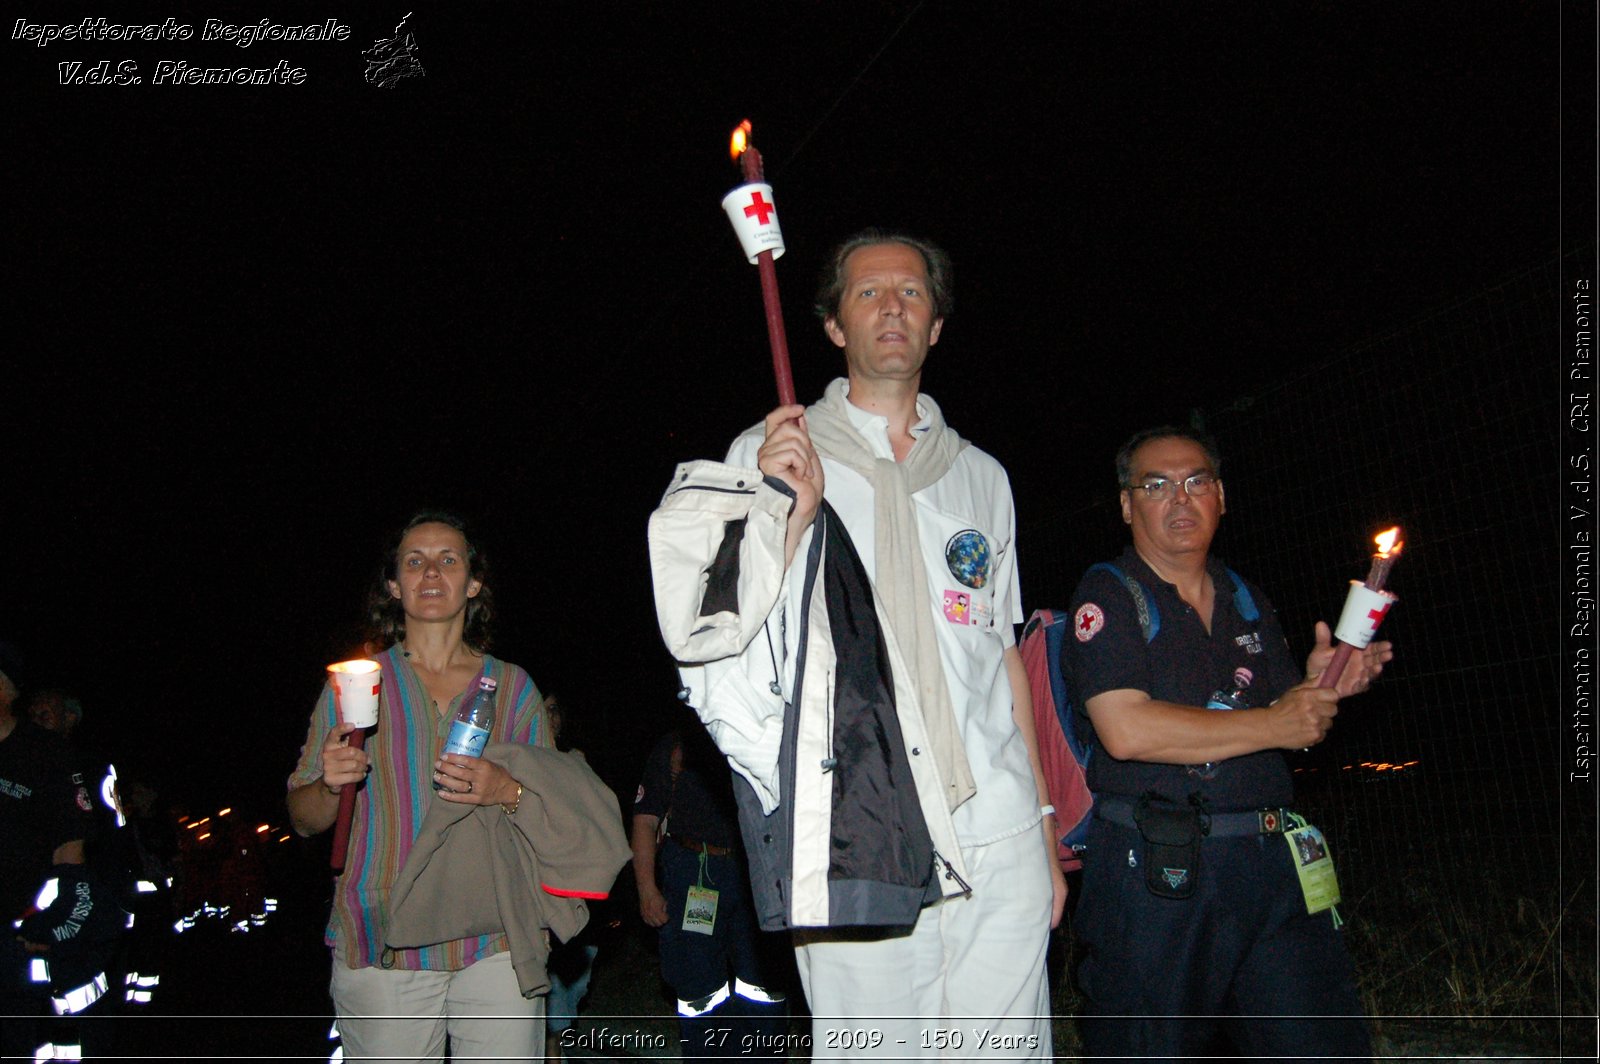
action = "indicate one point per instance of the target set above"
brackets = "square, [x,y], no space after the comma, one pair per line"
[391,805]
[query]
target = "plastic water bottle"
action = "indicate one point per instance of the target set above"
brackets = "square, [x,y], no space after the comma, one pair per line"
[469,732]
[1235,699]
[1220,699]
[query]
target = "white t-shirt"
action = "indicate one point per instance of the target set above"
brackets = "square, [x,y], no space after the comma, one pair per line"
[967,525]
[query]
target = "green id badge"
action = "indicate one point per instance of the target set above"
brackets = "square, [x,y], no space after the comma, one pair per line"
[1314,864]
[700,910]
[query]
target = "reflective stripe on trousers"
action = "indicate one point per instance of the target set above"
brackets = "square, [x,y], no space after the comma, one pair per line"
[79,998]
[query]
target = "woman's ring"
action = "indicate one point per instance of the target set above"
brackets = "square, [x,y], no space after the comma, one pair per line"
[469,786]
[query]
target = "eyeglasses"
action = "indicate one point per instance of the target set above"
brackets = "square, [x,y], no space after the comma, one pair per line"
[1164,490]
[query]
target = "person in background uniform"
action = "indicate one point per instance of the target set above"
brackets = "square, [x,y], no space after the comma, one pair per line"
[44,811]
[691,876]
[115,854]
[430,611]
[1191,906]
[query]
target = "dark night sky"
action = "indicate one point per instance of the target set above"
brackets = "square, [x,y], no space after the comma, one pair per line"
[258,326]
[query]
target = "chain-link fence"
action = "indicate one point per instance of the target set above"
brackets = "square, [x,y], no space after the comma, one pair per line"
[1444,428]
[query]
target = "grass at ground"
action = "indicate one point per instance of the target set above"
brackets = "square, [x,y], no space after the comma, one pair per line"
[1479,966]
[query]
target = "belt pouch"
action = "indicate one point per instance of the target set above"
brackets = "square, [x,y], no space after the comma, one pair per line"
[1171,835]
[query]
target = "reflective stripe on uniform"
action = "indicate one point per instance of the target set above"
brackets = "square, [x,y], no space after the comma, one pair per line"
[751,992]
[80,998]
[139,987]
[701,1006]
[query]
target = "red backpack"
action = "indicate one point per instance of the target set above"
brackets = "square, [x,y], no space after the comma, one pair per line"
[1061,753]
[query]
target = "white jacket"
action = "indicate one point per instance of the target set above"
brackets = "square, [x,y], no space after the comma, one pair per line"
[840,806]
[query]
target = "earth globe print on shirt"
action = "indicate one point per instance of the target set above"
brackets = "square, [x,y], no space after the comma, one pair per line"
[967,555]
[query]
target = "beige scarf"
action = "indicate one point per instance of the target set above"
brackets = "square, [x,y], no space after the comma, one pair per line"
[900,580]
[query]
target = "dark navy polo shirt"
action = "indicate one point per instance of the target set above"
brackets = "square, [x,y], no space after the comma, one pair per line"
[698,804]
[43,804]
[1183,664]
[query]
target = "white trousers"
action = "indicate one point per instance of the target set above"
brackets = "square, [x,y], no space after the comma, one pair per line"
[967,982]
[404,1016]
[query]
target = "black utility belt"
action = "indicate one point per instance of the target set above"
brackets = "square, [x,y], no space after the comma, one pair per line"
[1253,822]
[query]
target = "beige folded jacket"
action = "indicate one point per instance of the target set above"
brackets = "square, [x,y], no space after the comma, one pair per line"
[473,870]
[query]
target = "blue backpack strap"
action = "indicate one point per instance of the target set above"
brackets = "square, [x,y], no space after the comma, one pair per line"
[1242,600]
[1055,641]
[1053,623]
[1149,615]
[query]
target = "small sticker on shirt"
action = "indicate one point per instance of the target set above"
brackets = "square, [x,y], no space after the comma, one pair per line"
[639,797]
[1250,641]
[958,607]
[83,800]
[981,610]
[1089,620]
[968,557]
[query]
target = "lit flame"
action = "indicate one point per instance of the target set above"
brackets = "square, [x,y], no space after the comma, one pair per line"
[361,665]
[740,141]
[1389,543]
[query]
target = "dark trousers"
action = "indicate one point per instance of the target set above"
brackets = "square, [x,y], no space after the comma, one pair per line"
[694,964]
[697,965]
[28,1021]
[1241,957]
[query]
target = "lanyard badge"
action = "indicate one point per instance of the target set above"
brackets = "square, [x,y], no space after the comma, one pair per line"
[700,907]
[1313,863]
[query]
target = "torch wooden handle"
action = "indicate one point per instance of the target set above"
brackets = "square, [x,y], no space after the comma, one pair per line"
[775,333]
[347,808]
[1335,669]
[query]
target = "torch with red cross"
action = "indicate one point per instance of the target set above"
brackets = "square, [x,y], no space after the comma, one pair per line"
[1365,606]
[755,219]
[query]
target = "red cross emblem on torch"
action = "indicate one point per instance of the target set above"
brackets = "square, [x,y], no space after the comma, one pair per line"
[759,208]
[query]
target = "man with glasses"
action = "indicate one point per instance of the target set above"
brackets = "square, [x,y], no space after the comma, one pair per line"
[1193,907]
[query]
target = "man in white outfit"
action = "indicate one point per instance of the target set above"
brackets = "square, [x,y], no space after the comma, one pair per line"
[933,523]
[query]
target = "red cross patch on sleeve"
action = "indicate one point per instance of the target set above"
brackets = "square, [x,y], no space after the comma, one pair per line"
[1089,620]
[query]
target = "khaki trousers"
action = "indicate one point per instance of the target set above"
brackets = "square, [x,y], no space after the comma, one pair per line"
[405,1016]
